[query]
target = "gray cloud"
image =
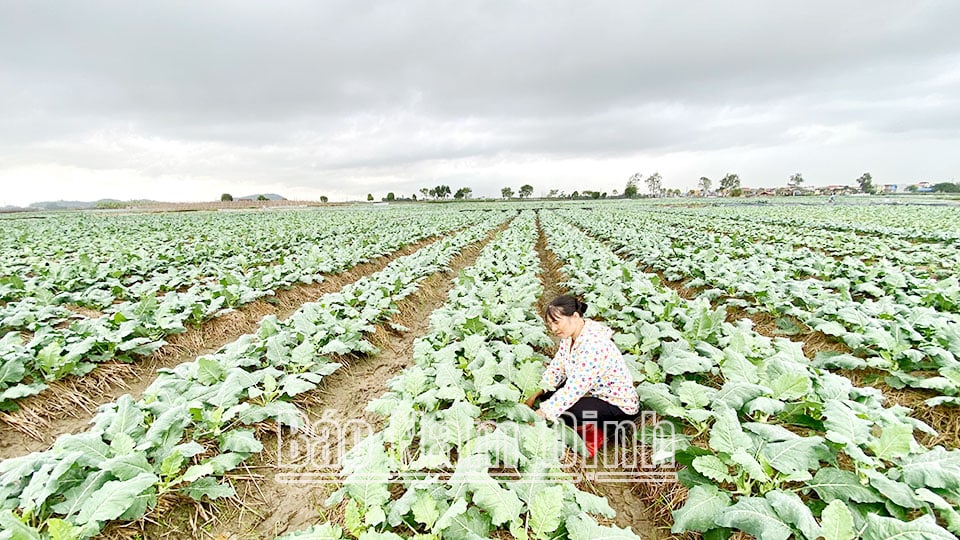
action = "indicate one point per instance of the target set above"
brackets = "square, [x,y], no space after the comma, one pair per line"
[292,89]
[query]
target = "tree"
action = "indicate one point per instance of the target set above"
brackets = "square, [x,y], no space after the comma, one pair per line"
[795,180]
[631,191]
[526,190]
[575,195]
[595,195]
[946,187]
[439,192]
[324,199]
[705,185]
[262,197]
[463,193]
[655,184]
[226,197]
[913,188]
[425,192]
[369,196]
[391,197]
[506,193]
[615,193]
[866,183]
[730,182]
[552,194]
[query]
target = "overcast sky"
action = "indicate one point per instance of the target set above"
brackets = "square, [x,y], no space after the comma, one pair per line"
[186,100]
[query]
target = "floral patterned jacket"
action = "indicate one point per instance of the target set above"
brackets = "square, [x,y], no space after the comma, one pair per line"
[593,366]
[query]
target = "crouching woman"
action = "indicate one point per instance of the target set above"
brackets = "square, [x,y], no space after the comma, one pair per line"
[597,387]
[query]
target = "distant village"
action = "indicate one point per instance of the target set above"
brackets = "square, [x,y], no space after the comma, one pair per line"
[837,189]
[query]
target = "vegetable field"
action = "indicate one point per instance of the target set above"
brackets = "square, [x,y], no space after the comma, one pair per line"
[800,365]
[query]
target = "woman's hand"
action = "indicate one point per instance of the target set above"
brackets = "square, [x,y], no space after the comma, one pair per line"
[539,412]
[532,400]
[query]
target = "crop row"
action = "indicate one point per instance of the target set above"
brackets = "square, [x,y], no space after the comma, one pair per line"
[900,338]
[689,244]
[923,259]
[829,251]
[200,419]
[772,444]
[455,417]
[133,328]
[44,275]
[913,222]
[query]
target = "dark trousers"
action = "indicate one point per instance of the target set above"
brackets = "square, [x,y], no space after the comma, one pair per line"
[603,414]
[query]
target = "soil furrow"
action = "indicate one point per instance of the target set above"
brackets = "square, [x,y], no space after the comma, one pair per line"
[633,509]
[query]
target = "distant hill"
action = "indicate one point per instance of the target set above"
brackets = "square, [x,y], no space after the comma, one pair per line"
[114,203]
[60,205]
[81,205]
[269,196]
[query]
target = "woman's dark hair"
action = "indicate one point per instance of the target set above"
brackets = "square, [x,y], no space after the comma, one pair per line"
[564,305]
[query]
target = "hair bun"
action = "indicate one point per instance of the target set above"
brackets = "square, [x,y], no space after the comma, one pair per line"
[581,307]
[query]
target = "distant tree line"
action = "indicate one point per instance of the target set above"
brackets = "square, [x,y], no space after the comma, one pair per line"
[730,185]
[947,187]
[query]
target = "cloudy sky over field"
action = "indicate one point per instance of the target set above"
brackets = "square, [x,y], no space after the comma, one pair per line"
[183,101]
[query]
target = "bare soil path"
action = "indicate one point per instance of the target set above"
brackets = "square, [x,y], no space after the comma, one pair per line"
[632,509]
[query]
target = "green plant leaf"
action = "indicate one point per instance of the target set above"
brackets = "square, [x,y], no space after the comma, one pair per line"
[677,359]
[711,467]
[936,468]
[18,530]
[425,509]
[240,440]
[546,511]
[843,425]
[837,522]
[791,508]
[755,516]
[832,484]
[502,505]
[584,527]
[325,531]
[790,386]
[208,487]
[894,442]
[726,434]
[703,504]
[89,443]
[943,507]
[59,529]
[115,498]
[455,513]
[750,464]
[209,371]
[195,472]
[923,528]
[129,466]
[660,398]
[796,455]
